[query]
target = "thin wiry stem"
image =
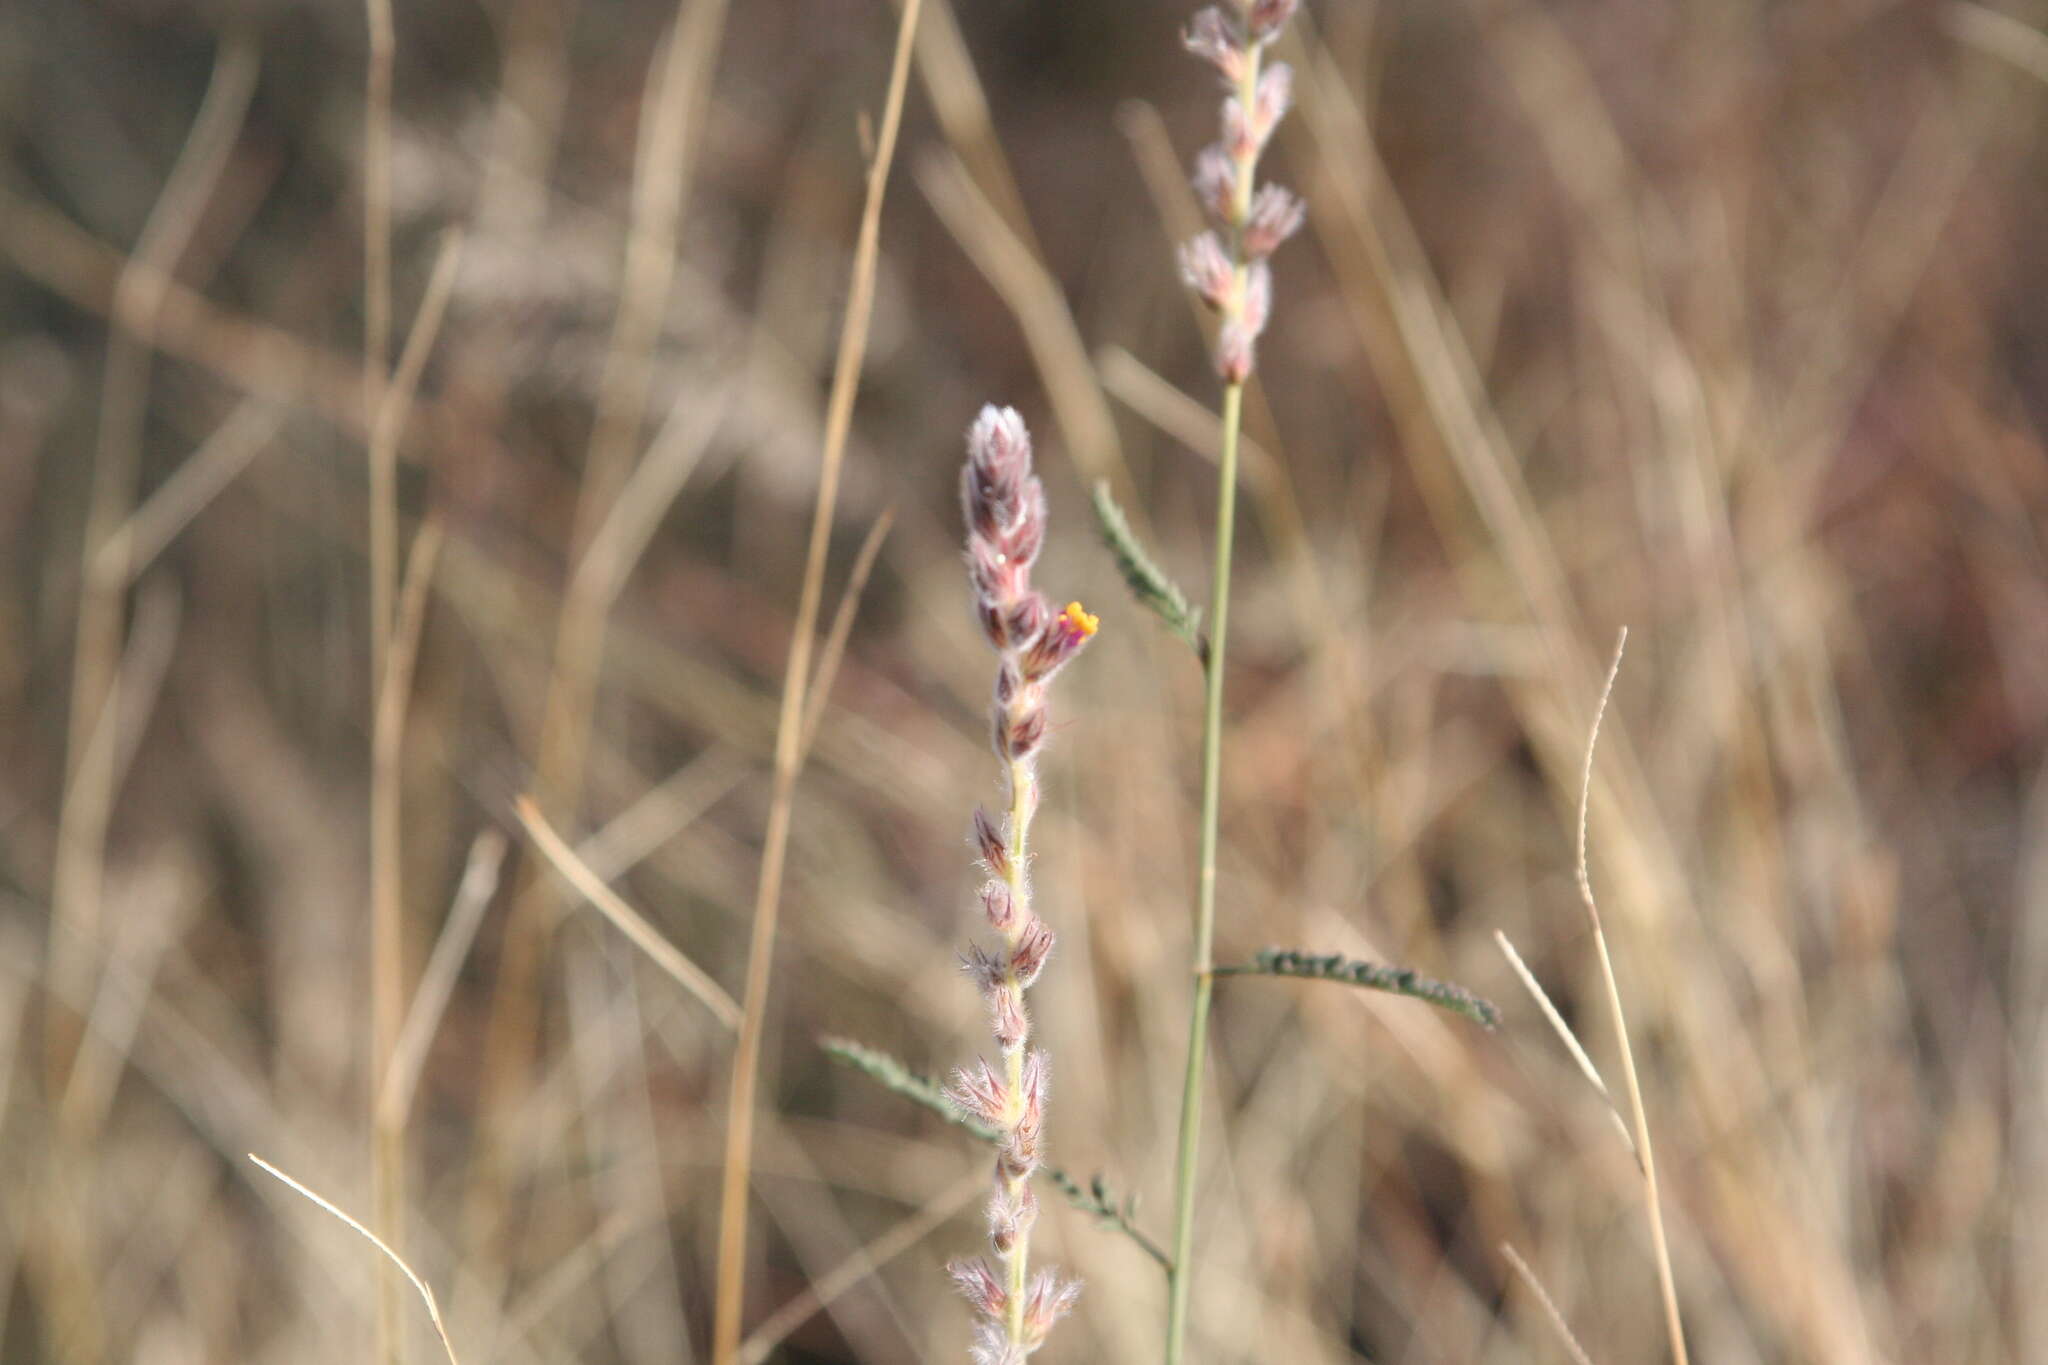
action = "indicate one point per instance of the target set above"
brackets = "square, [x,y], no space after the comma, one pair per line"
[1181,1275]
[1550,1310]
[1646,1157]
[789,731]
[426,1294]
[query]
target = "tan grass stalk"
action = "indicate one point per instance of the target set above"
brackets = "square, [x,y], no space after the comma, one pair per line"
[426,1294]
[729,1298]
[672,112]
[185,494]
[437,980]
[1646,1156]
[243,351]
[1038,303]
[624,917]
[387,910]
[1564,1034]
[1549,1305]
[394,643]
[138,304]
[819,693]
[824,1289]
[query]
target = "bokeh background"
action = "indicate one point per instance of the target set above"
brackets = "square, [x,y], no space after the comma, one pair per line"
[1718,320]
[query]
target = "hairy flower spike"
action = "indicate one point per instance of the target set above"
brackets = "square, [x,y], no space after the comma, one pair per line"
[1227,269]
[1005,510]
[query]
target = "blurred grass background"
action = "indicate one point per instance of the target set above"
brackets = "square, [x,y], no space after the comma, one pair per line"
[1720,320]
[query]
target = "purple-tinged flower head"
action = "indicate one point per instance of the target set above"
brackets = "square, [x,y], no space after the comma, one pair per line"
[990,845]
[1215,182]
[1218,39]
[979,1093]
[1265,18]
[1011,1213]
[1049,1299]
[1004,506]
[1034,946]
[1057,644]
[1234,353]
[1000,905]
[987,971]
[992,1346]
[1006,1016]
[979,1286]
[1020,1148]
[1271,100]
[1276,215]
[1206,267]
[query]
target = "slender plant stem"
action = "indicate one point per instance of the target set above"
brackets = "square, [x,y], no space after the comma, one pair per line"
[1181,1273]
[729,1295]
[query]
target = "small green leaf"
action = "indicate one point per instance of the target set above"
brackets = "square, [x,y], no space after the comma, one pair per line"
[1148,582]
[1372,976]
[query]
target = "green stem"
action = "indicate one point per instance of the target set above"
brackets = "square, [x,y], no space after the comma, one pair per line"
[1181,1272]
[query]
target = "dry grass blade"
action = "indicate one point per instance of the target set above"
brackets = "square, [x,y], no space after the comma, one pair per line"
[139,297]
[853,340]
[437,982]
[1035,299]
[1542,1297]
[2001,35]
[167,511]
[1645,1155]
[628,921]
[859,1266]
[1564,1033]
[426,1294]
[834,649]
